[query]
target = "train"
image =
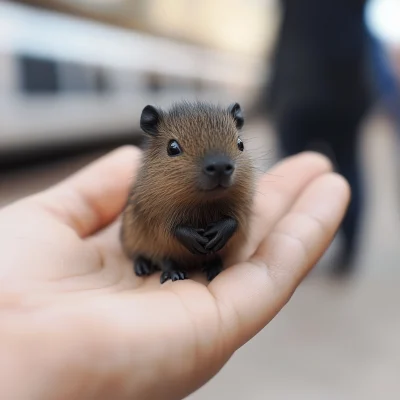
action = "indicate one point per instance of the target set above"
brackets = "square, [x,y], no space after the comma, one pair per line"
[65,79]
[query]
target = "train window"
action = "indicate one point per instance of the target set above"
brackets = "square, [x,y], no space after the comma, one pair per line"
[154,82]
[38,75]
[102,84]
[76,78]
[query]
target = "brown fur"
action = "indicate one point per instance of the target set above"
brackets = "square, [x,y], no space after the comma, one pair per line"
[165,192]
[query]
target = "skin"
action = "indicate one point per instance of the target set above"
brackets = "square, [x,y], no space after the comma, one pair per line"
[76,323]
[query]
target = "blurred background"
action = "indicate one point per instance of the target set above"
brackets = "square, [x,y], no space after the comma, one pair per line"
[320,74]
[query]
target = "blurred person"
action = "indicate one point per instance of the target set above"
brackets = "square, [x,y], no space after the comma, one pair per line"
[76,323]
[320,90]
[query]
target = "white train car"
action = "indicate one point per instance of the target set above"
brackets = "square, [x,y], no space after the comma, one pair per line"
[64,80]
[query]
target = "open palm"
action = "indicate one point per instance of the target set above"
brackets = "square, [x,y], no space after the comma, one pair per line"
[91,329]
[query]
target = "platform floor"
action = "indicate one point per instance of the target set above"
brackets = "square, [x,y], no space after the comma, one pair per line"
[334,340]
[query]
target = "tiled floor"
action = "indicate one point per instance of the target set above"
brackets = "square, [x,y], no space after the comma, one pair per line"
[334,340]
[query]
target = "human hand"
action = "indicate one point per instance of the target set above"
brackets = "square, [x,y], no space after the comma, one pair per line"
[75,321]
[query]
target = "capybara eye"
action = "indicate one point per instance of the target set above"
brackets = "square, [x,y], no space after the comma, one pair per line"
[173,148]
[240,144]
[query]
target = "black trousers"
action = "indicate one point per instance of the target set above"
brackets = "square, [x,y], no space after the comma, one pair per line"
[334,134]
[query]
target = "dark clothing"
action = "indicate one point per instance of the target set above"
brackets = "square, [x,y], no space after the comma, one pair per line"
[321,86]
[303,129]
[321,57]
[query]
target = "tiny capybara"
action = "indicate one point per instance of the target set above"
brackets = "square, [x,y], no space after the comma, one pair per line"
[190,204]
